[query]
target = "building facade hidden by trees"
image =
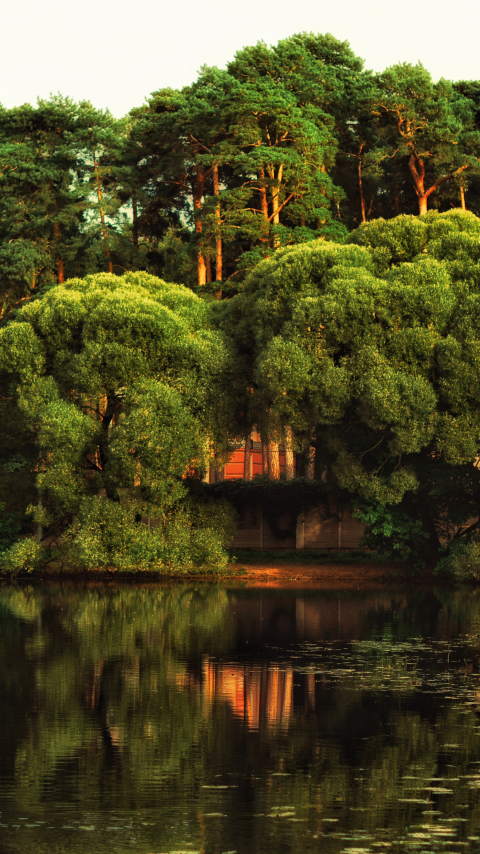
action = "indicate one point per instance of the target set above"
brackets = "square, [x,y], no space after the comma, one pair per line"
[315,529]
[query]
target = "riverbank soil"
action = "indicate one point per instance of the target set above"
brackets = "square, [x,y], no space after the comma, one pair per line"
[321,575]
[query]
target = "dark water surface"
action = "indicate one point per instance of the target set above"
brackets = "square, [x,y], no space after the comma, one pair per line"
[212,719]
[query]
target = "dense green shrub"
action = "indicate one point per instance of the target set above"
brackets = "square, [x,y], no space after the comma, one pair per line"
[189,537]
[26,555]
[462,563]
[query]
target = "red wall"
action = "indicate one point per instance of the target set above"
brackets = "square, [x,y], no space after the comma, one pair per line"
[234,467]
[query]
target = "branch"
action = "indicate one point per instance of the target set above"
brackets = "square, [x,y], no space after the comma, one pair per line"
[445,178]
[462,532]
[281,206]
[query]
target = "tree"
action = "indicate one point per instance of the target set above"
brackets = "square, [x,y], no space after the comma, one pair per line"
[121,380]
[241,162]
[98,147]
[428,123]
[371,348]
[40,209]
[58,202]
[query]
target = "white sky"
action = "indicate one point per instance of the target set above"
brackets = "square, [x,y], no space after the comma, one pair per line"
[115,54]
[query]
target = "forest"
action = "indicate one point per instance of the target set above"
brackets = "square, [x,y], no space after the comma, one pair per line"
[291,243]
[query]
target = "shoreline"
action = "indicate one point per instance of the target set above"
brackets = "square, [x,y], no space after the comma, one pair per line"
[273,574]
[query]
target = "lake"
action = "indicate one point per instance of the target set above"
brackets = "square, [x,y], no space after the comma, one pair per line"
[217,718]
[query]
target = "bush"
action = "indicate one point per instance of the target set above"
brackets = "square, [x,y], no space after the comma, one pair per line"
[25,555]
[390,530]
[462,563]
[189,538]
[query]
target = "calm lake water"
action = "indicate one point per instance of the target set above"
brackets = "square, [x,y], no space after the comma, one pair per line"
[213,719]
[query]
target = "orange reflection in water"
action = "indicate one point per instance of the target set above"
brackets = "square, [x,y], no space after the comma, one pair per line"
[258,695]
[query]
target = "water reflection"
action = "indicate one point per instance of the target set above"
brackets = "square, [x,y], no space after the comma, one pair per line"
[206,719]
[258,696]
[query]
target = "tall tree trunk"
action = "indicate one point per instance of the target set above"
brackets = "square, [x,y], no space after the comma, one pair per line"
[135,220]
[264,455]
[263,192]
[417,171]
[276,201]
[273,460]
[462,198]
[102,214]
[310,463]
[289,463]
[276,194]
[59,259]
[422,204]
[218,240]
[197,204]
[208,268]
[360,184]
[248,454]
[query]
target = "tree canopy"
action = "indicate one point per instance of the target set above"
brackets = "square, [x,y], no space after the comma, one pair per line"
[123,383]
[371,348]
[252,191]
[289,143]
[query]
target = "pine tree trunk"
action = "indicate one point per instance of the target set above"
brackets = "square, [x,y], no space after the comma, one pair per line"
[59,260]
[360,187]
[197,204]
[263,192]
[417,171]
[208,268]
[218,241]
[264,455]
[423,204]
[462,198]
[310,463]
[289,464]
[273,460]
[102,214]
[276,203]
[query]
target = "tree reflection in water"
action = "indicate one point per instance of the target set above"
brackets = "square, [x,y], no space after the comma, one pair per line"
[236,720]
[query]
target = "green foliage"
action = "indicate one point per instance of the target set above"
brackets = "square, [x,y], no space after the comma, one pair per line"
[25,555]
[289,143]
[58,203]
[118,379]
[189,538]
[391,530]
[462,563]
[370,351]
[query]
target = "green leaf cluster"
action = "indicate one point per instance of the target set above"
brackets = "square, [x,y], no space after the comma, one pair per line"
[123,384]
[370,350]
